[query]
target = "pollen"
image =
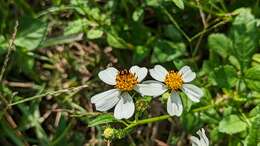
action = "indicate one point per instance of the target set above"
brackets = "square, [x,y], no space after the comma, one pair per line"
[173,80]
[125,80]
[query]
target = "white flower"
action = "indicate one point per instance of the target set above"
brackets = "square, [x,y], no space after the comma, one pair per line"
[174,81]
[202,141]
[124,81]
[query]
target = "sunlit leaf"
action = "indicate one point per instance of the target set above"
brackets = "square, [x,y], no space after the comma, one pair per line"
[232,124]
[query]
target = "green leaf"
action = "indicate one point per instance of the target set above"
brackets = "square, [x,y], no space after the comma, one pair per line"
[62,40]
[31,33]
[179,3]
[231,125]
[253,137]
[153,3]
[165,51]
[256,59]
[255,111]
[76,26]
[252,78]
[140,52]
[138,13]
[3,45]
[102,119]
[225,76]
[94,33]
[220,44]
[115,41]
[244,34]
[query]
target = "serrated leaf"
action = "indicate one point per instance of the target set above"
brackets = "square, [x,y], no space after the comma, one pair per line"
[31,33]
[253,137]
[220,44]
[231,125]
[102,119]
[244,34]
[225,76]
[94,33]
[179,3]
[252,78]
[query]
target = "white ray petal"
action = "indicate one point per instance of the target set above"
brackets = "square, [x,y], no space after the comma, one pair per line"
[195,141]
[203,138]
[193,92]
[108,75]
[140,72]
[106,100]
[158,73]
[154,88]
[125,107]
[174,104]
[187,74]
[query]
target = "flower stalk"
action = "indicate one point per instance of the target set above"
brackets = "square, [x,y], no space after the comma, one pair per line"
[147,121]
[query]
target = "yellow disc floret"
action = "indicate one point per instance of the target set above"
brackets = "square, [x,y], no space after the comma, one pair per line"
[125,80]
[173,80]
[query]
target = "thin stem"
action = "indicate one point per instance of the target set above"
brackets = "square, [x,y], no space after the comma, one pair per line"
[209,29]
[11,42]
[49,93]
[176,24]
[149,120]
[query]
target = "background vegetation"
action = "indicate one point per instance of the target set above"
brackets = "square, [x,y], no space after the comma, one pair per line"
[52,50]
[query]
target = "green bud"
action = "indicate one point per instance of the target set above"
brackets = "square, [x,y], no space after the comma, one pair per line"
[165,97]
[141,105]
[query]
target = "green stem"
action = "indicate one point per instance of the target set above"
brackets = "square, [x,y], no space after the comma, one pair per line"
[176,24]
[149,120]
[209,29]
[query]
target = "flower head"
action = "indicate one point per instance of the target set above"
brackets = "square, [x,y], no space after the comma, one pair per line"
[174,82]
[201,141]
[123,81]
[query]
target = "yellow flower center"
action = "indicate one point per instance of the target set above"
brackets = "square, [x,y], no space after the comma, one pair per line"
[173,80]
[125,80]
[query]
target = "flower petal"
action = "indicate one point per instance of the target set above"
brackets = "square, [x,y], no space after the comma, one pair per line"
[193,92]
[195,141]
[108,75]
[125,107]
[158,73]
[203,138]
[174,105]
[141,72]
[106,100]
[187,74]
[154,88]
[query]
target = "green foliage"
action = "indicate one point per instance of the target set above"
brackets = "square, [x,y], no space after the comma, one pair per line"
[232,124]
[31,33]
[102,119]
[252,77]
[179,3]
[60,47]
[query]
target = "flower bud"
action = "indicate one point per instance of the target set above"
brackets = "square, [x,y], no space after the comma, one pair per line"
[141,105]
[108,133]
[165,97]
